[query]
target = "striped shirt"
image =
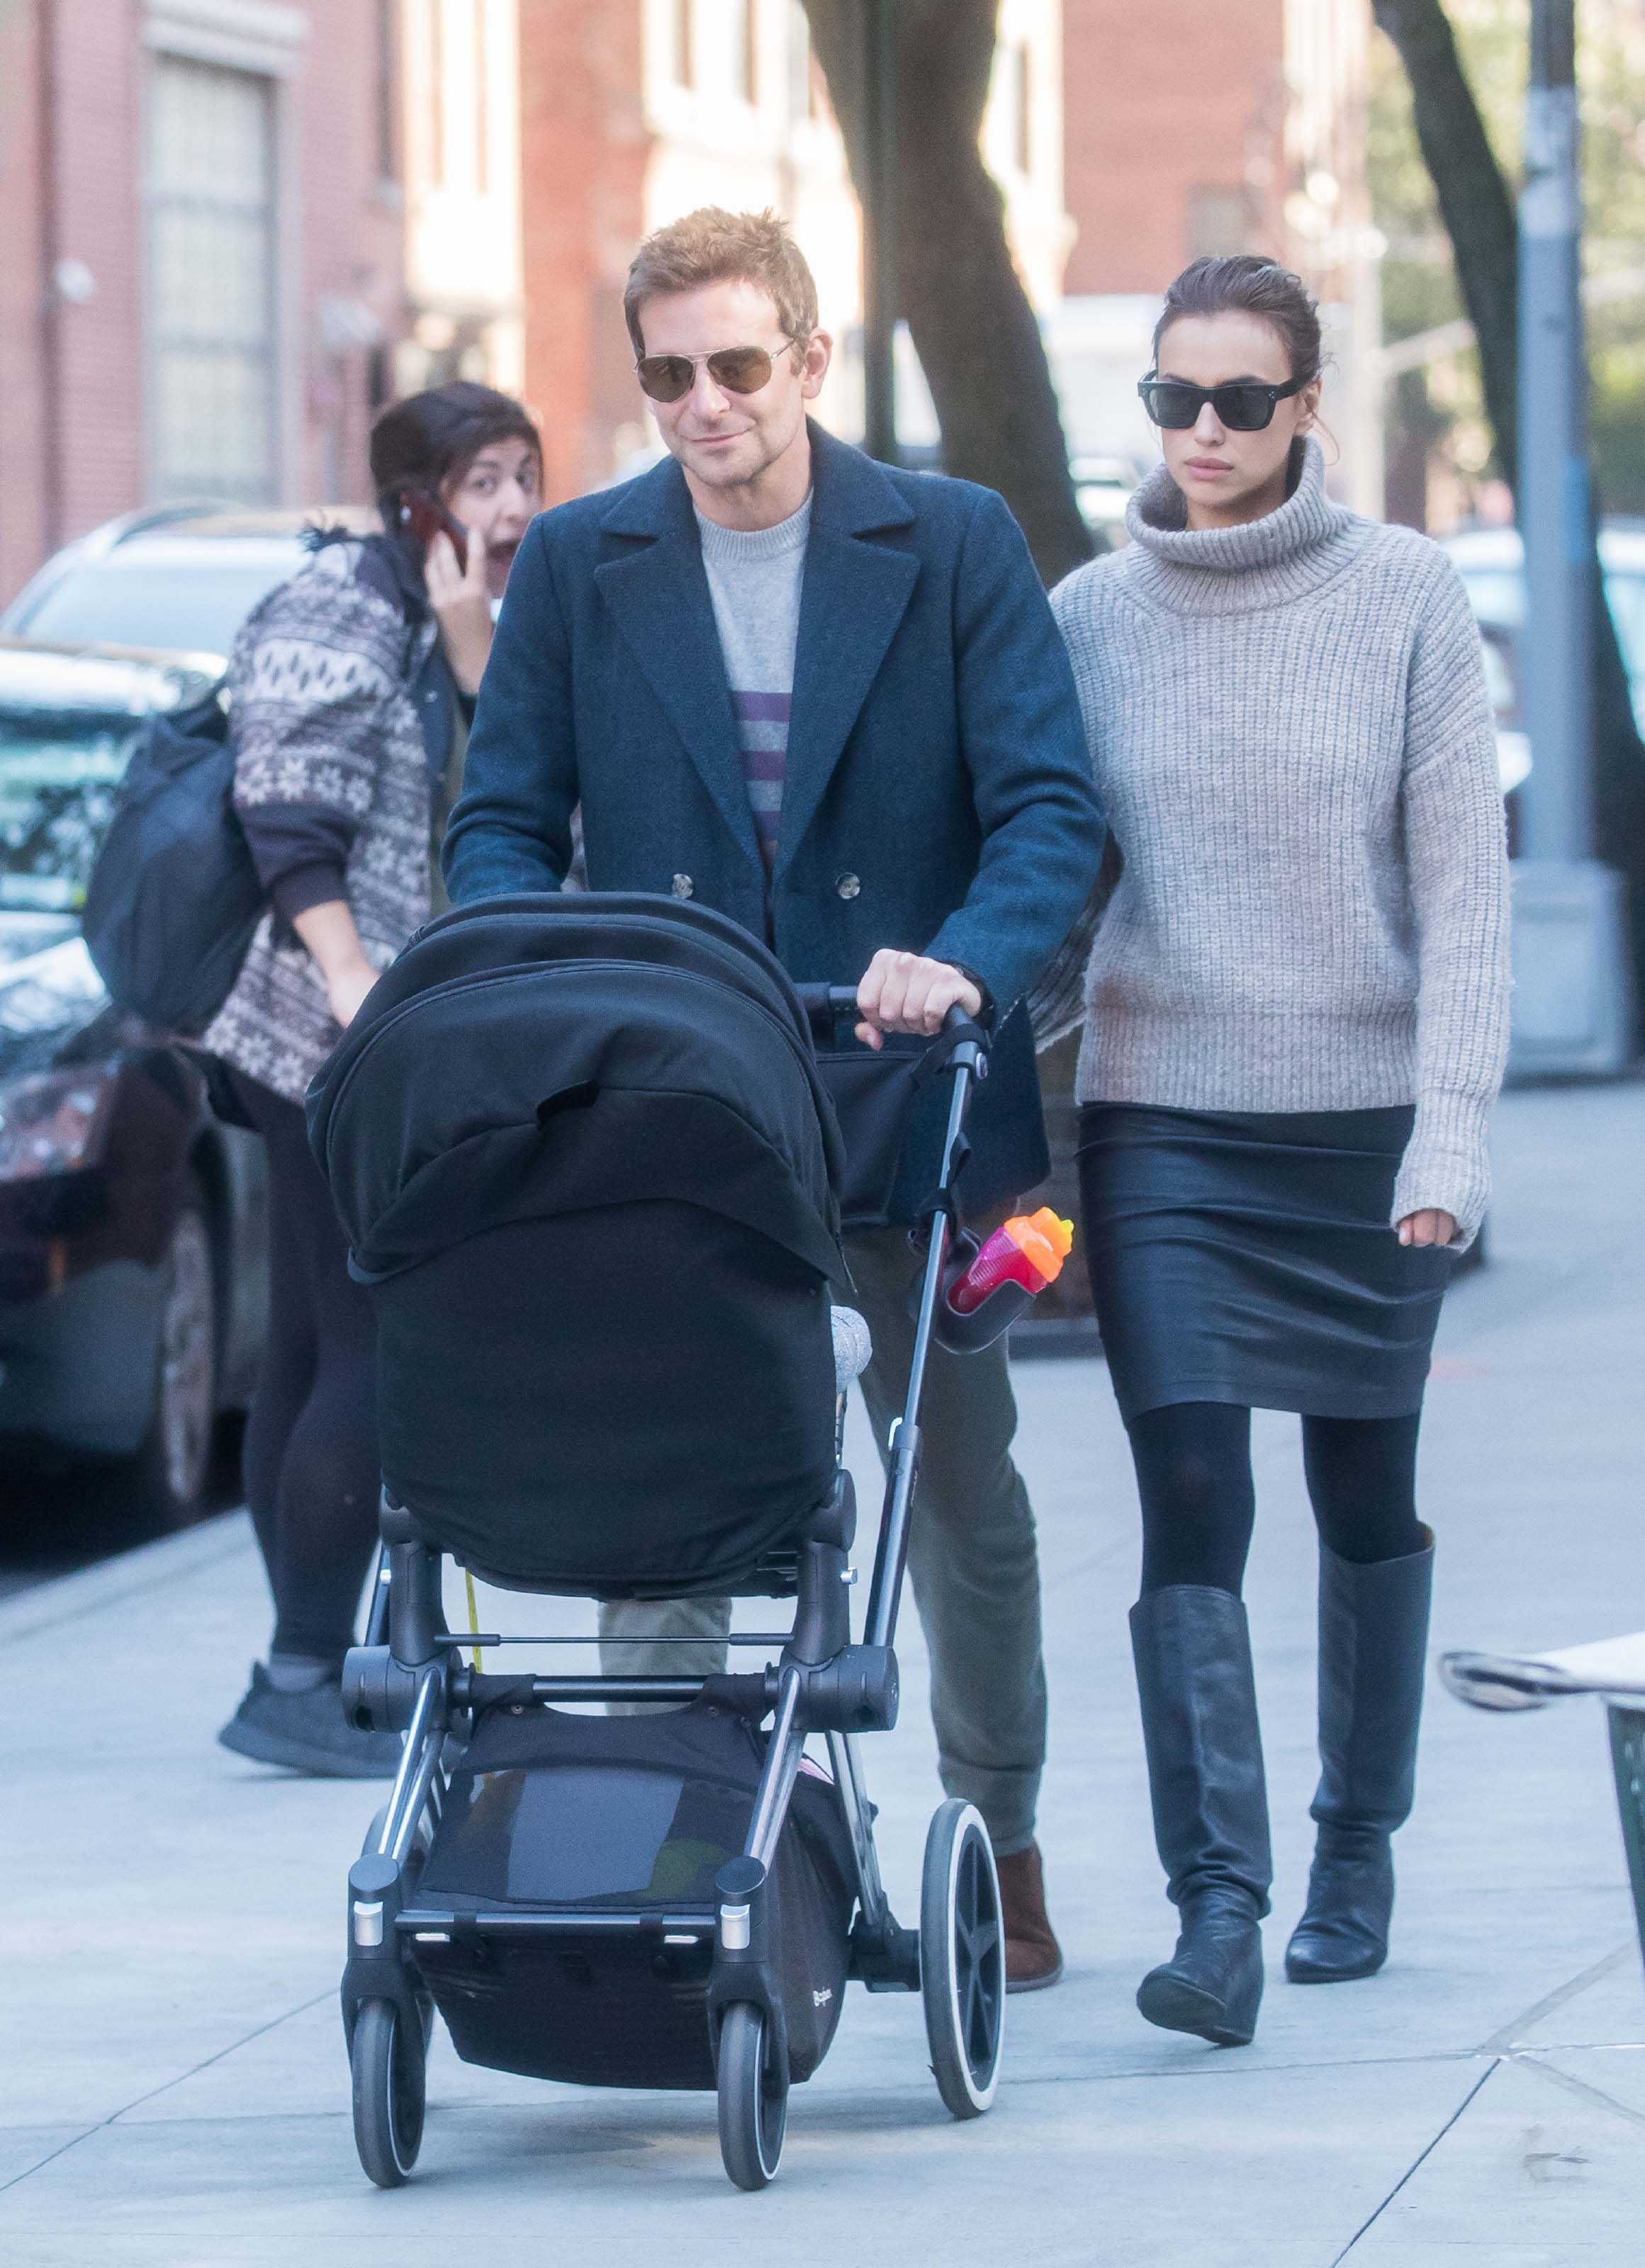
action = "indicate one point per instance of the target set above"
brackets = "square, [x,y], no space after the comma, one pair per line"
[755,579]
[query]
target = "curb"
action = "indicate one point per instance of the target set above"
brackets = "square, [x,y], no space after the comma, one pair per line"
[66,1598]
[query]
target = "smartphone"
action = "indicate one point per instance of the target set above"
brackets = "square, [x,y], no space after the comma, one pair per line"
[423,513]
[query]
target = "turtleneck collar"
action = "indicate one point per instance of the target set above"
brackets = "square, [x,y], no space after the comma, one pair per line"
[1308,541]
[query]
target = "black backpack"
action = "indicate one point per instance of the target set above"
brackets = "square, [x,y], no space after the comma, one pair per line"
[173,897]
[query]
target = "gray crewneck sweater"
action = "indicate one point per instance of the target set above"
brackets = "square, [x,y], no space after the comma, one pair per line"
[1292,743]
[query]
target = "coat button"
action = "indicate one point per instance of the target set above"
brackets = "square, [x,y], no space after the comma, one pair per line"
[846,885]
[682,885]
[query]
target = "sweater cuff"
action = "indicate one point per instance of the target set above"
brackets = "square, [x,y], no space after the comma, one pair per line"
[1446,1165]
[319,884]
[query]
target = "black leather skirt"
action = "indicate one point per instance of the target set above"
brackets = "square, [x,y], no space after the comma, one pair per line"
[1246,1256]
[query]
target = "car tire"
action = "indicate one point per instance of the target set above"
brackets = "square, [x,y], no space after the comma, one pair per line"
[172,1472]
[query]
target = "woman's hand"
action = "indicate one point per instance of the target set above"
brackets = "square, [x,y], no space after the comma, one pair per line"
[906,993]
[346,989]
[461,600]
[333,942]
[1431,1226]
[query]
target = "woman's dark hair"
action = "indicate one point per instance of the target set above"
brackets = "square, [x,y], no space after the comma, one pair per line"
[1243,282]
[424,440]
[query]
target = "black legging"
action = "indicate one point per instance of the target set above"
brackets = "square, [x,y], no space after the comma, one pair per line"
[311,1457]
[1198,1501]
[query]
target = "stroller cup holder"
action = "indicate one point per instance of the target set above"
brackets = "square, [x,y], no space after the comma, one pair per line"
[981,1326]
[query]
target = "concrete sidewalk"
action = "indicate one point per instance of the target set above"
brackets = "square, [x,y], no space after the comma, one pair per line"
[174,2094]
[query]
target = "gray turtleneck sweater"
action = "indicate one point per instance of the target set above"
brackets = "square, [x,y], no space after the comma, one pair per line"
[1294,745]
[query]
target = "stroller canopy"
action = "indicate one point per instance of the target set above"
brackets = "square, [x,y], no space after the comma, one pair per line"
[583,1160]
[529,1056]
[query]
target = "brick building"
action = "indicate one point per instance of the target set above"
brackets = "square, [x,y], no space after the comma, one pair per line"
[201,255]
[1240,127]
[1173,121]
[636,111]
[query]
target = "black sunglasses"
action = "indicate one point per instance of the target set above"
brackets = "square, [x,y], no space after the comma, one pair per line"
[735,370]
[1245,405]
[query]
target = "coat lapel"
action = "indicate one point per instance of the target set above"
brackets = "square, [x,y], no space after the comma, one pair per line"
[854,596]
[657,592]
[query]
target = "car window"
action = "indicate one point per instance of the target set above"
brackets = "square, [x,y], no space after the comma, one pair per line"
[195,609]
[1497,594]
[1499,677]
[1627,596]
[58,777]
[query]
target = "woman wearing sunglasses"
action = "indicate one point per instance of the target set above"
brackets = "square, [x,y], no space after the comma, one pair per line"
[1295,1021]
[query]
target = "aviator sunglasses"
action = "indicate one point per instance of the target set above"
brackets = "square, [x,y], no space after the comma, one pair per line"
[735,370]
[1245,405]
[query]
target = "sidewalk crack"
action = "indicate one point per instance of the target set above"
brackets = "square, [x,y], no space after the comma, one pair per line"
[1418,2161]
[165,2086]
[1581,2089]
[1501,2042]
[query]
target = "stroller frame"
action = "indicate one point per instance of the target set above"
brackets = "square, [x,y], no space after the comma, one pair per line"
[409,1676]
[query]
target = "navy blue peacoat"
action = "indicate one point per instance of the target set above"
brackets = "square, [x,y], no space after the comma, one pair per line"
[938,796]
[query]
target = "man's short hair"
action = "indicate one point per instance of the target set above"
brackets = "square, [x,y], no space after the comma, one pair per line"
[711,246]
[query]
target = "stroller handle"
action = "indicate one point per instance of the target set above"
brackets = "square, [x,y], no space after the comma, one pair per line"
[827,1004]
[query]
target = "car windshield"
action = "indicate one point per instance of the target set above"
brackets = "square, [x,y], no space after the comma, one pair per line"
[195,609]
[1498,597]
[1626,595]
[58,777]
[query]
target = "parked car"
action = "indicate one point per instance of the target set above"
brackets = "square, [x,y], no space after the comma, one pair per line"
[133,1272]
[1491,562]
[133,1238]
[177,578]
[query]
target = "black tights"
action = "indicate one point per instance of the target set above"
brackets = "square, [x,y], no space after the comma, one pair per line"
[311,1458]
[1198,1501]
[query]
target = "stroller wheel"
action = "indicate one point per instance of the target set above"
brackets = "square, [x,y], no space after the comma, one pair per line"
[753,2099]
[962,1959]
[390,2075]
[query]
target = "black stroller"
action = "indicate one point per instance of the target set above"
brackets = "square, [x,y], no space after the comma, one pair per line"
[583,1160]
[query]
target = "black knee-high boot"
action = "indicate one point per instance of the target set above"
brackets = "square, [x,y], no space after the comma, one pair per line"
[1193,1650]
[1373,1649]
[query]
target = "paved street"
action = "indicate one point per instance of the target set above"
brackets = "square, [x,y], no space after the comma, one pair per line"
[174,2093]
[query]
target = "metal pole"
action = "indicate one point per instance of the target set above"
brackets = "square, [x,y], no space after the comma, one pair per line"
[1554,515]
[1572,1009]
[877,51]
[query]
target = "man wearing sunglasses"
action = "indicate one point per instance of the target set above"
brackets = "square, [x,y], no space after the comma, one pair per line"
[829,700]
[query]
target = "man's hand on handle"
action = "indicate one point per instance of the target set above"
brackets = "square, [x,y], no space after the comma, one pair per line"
[907,993]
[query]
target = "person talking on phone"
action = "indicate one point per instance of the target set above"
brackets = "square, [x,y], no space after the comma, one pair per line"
[352,687]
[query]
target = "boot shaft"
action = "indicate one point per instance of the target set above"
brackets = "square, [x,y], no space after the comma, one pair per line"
[1373,1658]
[1191,1646]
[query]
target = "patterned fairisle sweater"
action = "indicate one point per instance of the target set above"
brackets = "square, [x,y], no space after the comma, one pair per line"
[326,746]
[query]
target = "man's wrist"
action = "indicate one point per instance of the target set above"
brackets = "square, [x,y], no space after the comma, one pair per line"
[986,1012]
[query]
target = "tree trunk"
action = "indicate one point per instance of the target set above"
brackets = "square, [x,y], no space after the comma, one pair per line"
[958,290]
[1474,202]
[1477,210]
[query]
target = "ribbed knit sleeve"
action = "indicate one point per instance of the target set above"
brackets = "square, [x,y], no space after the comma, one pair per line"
[1456,865]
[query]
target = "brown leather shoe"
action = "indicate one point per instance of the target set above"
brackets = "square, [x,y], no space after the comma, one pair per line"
[1033,1956]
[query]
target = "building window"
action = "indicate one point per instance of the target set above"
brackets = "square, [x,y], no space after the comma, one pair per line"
[684,56]
[1219,221]
[211,283]
[386,90]
[1022,110]
[437,92]
[801,98]
[482,99]
[748,49]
